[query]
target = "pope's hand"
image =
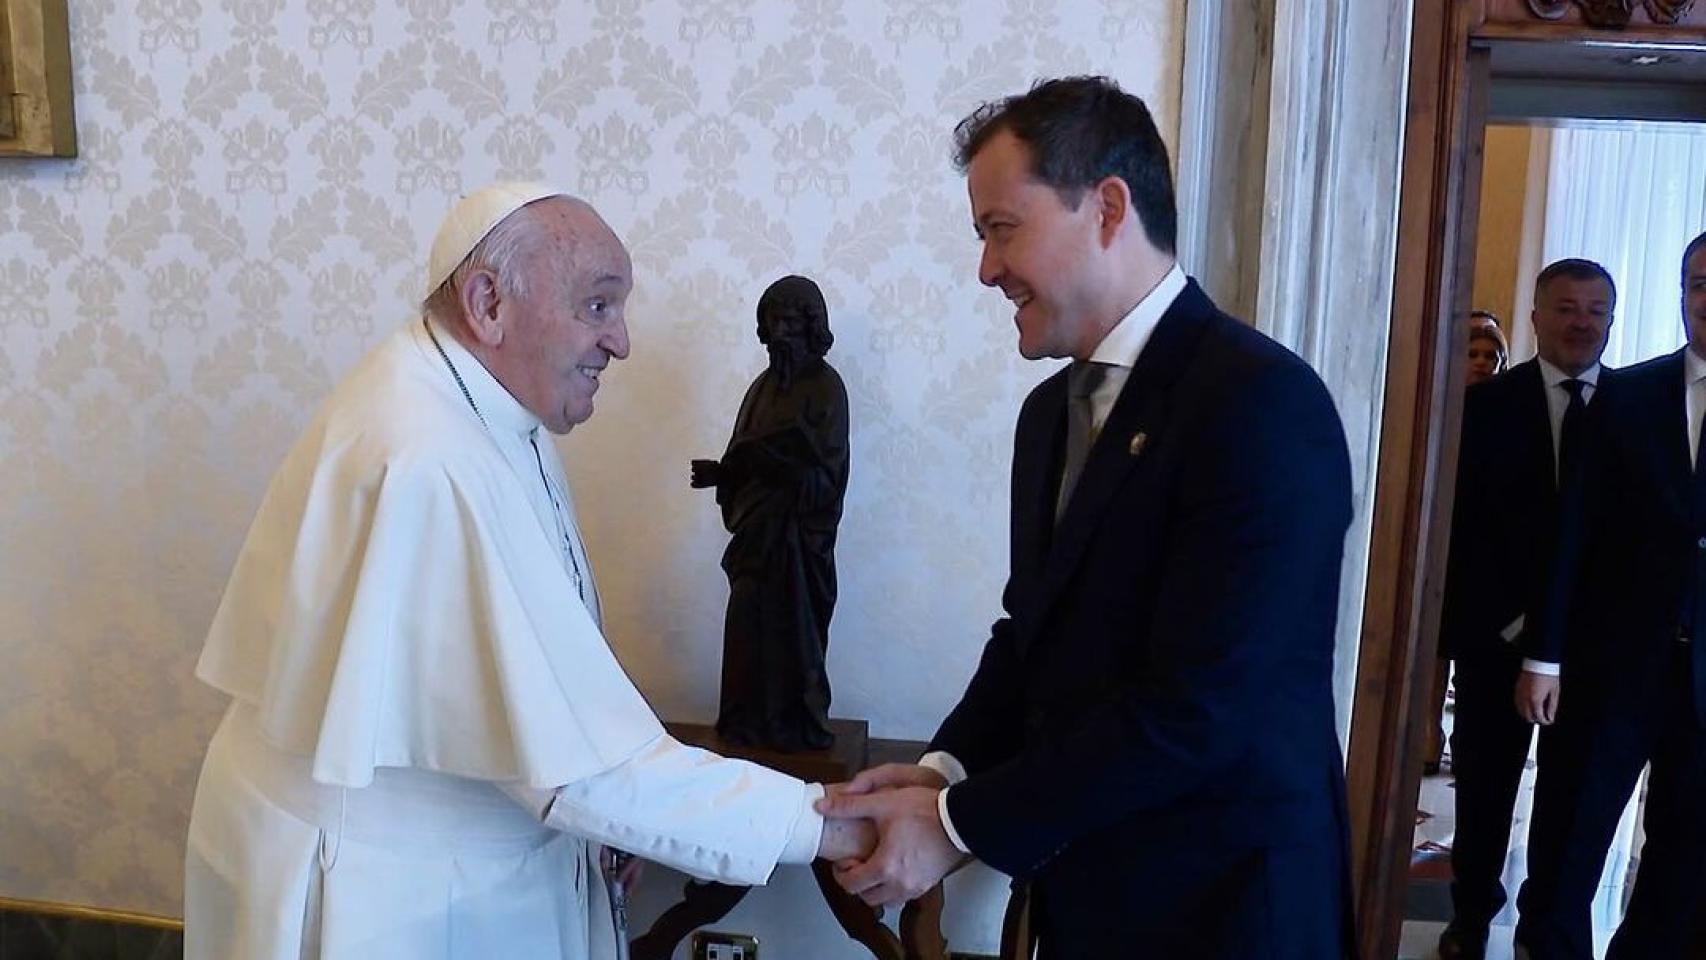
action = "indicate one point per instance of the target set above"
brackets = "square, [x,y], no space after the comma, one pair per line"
[846,839]
[913,852]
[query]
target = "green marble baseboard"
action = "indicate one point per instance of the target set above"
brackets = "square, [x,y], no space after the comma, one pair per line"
[48,931]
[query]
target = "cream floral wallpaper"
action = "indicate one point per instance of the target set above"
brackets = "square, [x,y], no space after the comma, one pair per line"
[258,182]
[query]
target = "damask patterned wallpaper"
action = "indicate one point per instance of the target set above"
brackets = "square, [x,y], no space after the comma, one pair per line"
[258,183]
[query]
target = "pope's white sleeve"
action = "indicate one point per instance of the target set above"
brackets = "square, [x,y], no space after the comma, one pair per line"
[705,815]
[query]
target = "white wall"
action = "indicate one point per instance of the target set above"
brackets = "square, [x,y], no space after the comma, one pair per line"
[258,181]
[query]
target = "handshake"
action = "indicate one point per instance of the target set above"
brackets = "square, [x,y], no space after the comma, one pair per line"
[884,835]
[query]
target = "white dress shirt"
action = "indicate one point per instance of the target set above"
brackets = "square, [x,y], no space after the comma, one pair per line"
[1558,399]
[1119,350]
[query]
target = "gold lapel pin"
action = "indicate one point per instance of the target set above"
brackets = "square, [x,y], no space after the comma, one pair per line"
[1138,441]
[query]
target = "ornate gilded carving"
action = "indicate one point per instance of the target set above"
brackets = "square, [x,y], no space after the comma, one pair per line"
[1612,14]
[1607,13]
[1668,11]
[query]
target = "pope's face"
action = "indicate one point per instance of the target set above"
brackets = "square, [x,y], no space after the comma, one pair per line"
[571,323]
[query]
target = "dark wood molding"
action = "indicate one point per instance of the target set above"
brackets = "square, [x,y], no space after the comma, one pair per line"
[1669,11]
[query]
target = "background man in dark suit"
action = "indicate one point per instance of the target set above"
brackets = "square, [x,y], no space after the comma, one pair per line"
[1149,738]
[1516,429]
[1624,615]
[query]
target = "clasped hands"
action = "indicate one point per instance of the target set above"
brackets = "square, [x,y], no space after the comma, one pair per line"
[884,835]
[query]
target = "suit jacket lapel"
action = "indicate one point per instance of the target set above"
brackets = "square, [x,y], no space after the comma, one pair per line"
[1140,409]
[1039,448]
[1535,420]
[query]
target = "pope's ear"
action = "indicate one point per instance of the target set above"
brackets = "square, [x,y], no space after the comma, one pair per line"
[480,299]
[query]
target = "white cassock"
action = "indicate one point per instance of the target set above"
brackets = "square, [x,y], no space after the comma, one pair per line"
[428,735]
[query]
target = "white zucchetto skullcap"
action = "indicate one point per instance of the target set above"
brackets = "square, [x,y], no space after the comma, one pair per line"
[472,218]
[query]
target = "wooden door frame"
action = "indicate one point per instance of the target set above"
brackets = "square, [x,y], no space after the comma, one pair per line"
[1439,201]
[1413,476]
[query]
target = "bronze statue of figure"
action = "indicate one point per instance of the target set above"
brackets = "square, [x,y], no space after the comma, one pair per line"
[780,485]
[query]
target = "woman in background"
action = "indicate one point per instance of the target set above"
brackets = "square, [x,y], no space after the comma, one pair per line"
[1488,354]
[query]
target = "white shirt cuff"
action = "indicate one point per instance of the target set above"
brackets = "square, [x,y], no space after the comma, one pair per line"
[945,764]
[948,824]
[1541,667]
[807,833]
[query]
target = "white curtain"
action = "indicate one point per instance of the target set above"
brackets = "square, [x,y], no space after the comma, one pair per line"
[1630,196]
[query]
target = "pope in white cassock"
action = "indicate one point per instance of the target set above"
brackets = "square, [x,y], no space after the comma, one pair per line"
[429,738]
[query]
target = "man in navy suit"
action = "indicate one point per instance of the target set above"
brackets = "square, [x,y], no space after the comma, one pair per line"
[1624,616]
[1149,738]
[1517,427]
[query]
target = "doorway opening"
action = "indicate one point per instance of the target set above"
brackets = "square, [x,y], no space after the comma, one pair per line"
[1535,141]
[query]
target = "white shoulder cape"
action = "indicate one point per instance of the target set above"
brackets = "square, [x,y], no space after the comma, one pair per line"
[397,603]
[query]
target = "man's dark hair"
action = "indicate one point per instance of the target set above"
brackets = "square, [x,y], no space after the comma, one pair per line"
[1575,269]
[1694,246]
[803,294]
[1081,130]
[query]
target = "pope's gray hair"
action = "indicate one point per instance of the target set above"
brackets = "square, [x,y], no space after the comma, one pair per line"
[501,251]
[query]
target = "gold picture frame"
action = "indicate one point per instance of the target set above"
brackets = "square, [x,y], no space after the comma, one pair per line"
[36,117]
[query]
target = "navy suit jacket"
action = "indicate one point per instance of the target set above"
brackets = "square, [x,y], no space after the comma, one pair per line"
[1629,555]
[1153,716]
[1505,516]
